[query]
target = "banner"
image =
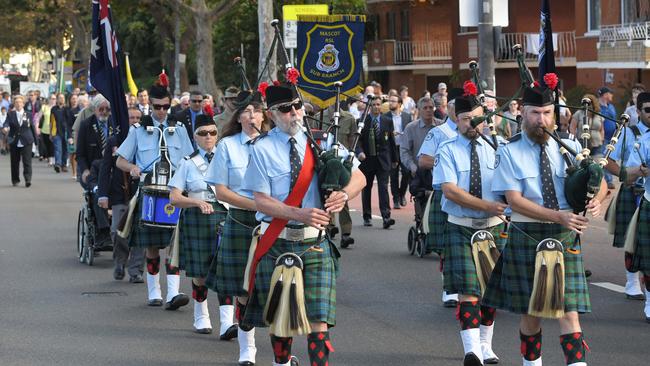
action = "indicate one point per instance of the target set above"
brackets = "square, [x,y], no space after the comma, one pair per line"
[329,50]
[133,89]
[546,55]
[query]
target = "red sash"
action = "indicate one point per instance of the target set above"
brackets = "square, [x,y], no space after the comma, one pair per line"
[277,225]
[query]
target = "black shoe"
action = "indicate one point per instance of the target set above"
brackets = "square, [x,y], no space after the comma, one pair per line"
[587,273]
[154,302]
[118,272]
[396,204]
[403,201]
[203,331]
[635,297]
[333,231]
[388,223]
[450,304]
[230,333]
[177,301]
[367,222]
[472,360]
[28,184]
[136,279]
[57,168]
[346,240]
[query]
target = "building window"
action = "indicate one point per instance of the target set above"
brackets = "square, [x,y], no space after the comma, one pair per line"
[372,27]
[390,25]
[405,25]
[593,15]
[635,11]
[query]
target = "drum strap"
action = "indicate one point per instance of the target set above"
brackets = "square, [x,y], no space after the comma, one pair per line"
[275,228]
[202,166]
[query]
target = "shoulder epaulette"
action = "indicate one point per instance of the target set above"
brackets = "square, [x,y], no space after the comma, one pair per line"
[136,125]
[259,137]
[195,153]
[514,138]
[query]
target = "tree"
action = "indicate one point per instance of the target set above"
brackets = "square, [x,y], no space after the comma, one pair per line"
[204,18]
[266,35]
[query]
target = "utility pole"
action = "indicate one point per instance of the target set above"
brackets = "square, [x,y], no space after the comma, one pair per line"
[486,42]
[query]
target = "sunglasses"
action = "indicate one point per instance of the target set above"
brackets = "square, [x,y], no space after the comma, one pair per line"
[205,133]
[286,108]
[646,109]
[196,100]
[161,106]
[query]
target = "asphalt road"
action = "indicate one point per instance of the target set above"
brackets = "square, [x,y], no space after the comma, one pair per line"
[389,308]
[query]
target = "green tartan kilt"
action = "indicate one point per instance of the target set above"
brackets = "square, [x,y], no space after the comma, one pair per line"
[226,274]
[460,270]
[435,239]
[143,236]
[511,283]
[641,256]
[625,208]
[198,240]
[319,274]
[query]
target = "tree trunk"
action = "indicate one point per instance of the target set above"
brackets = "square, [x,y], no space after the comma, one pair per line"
[204,59]
[266,33]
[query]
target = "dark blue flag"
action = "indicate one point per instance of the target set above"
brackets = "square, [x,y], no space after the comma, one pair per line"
[546,53]
[105,72]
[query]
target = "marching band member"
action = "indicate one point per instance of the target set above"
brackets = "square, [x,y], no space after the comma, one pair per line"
[638,257]
[437,218]
[464,169]
[286,192]
[226,275]
[531,172]
[629,194]
[137,154]
[199,222]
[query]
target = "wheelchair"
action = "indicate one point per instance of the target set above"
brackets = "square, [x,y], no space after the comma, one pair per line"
[88,244]
[416,241]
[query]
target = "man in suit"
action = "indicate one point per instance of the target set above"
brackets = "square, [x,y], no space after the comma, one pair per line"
[188,116]
[377,152]
[400,119]
[114,190]
[143,102]
[91,142]
[21,134]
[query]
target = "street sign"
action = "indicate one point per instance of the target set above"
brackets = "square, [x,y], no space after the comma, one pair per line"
[468,12]
[290,16]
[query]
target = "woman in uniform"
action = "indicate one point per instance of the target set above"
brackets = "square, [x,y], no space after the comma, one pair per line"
[227,172]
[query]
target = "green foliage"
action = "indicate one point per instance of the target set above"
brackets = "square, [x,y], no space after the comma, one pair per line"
[574,95]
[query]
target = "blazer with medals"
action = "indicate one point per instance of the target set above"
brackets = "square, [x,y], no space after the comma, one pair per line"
[385,146]
[185,116]
[25,132]
[89,142]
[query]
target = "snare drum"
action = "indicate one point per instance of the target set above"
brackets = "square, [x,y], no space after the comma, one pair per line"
[156,209]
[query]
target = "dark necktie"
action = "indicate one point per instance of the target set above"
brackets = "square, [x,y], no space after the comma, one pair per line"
[475,185]
[548,188]
[372,138]
[209,156]
[296,164]
[102,136]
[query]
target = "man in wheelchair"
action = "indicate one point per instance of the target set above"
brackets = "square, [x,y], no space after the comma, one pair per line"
[100,216]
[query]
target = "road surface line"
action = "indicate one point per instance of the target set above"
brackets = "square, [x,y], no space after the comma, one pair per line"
[610,286]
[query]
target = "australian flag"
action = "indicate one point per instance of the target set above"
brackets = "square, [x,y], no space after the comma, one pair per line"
[546,52]
[105,72]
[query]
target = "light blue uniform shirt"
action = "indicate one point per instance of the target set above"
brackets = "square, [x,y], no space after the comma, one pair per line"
[229,163]
[453,166]
[188,177]
[518,169]
[142,148]
[269,170]
[644,153]
[630,140]
[434,138]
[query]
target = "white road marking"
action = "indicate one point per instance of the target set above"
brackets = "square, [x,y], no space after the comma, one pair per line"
[610,286]
[375,217]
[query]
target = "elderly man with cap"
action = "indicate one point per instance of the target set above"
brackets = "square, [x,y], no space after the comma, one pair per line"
[229,98]
[464,169]
[629,193]
[281,174]
[639,260]
[137,154]
[531,173]
[198,225]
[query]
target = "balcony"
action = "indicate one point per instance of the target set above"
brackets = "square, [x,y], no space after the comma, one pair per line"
[408,55]
[564,44]
[625,45]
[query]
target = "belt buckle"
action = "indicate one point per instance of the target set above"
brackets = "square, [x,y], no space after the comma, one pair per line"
[294,234]
[479,223]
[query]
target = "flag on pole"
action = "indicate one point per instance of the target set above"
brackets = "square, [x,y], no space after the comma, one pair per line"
[133,89]
[105,72]
[546,56]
